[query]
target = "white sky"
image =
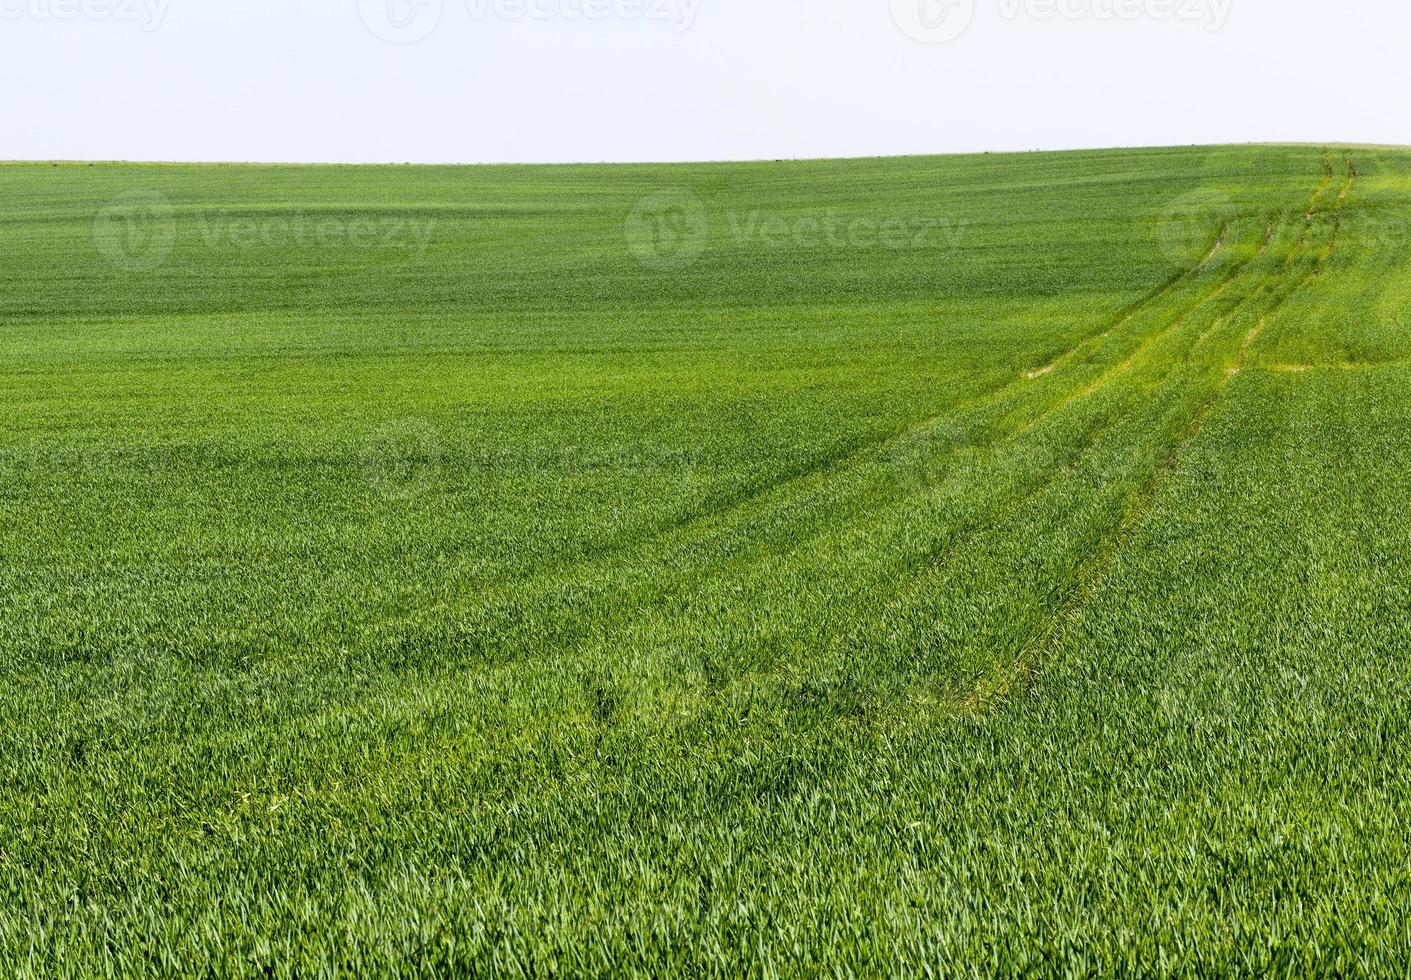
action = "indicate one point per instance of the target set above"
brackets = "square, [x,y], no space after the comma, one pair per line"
[576,80]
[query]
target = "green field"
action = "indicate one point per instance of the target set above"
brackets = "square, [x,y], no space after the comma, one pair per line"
[973,566]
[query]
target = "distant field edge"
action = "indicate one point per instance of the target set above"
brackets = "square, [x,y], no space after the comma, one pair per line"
[1173,147]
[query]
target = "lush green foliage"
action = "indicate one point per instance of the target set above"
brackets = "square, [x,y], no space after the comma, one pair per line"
[981,565]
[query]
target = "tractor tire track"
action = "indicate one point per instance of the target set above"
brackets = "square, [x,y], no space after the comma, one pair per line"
[1020,672]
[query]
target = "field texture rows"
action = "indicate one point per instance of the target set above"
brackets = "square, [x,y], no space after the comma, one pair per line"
[992,565]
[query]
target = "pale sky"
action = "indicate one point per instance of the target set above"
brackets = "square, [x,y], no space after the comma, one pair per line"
[656,80]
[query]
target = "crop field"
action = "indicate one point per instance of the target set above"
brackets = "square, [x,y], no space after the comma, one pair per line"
[962,566]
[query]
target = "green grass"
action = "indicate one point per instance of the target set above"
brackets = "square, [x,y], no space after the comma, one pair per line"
[980,566]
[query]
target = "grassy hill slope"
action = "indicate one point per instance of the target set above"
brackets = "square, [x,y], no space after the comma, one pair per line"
[995,564]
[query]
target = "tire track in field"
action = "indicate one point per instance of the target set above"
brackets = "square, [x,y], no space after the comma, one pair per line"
[976,524]
[1002,682]
[1333,366]
[545,581]
[988,518]
[1257,330]
[1222,320]
[1229,279]
[1130,314]
[1309,214]
[840,462]
[1052,367]
[996,518]
[1297,246]
[1137,355]
[1112,420]
[980,400]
